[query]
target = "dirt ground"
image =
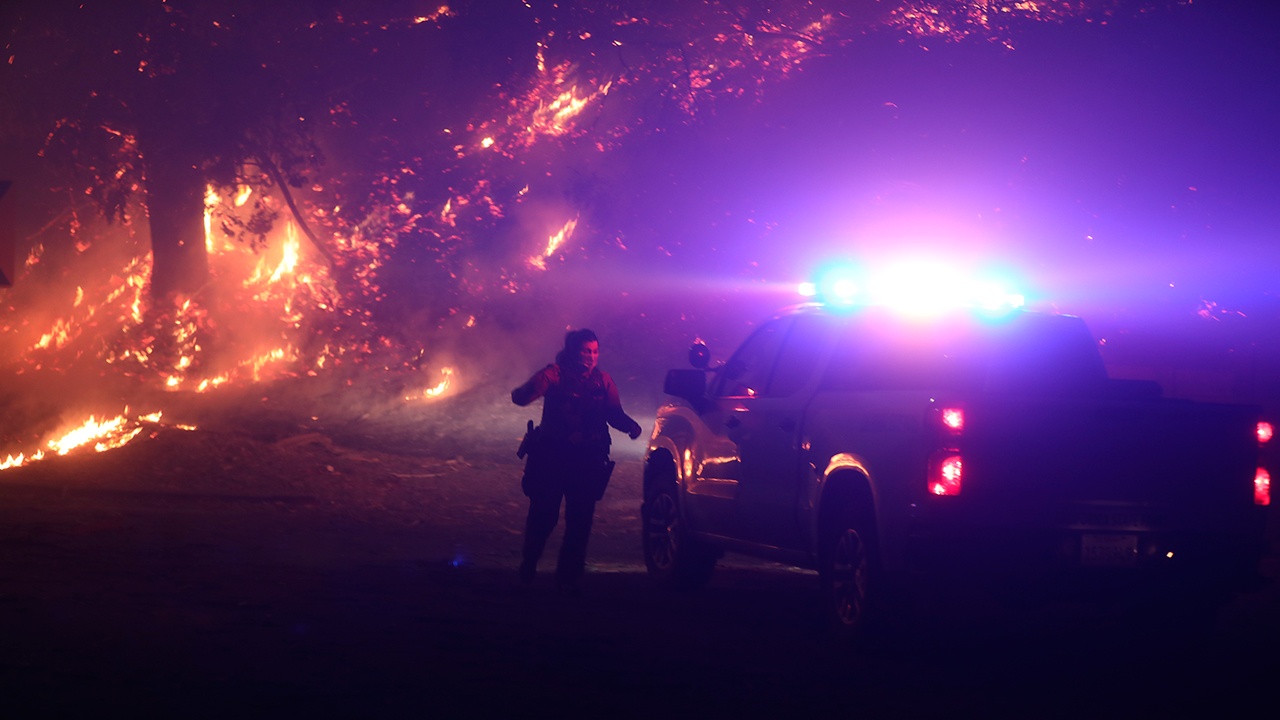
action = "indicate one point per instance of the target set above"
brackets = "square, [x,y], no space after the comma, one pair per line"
[262,566]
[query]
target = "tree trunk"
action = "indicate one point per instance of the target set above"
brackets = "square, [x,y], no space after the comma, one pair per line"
[175,209]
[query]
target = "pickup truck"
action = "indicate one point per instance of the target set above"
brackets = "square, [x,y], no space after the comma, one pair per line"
[879,448]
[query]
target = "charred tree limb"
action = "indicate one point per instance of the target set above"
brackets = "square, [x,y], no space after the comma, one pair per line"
[278,177]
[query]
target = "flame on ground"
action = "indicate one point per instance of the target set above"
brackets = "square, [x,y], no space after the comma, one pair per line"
[101,435]
[20,459]
[437,390]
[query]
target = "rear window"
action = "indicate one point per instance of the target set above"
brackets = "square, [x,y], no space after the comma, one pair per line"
[1025,352]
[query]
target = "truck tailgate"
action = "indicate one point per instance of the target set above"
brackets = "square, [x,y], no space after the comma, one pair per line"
[1192,459]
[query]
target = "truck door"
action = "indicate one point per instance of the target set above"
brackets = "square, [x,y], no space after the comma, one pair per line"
[766,428]
[716,480]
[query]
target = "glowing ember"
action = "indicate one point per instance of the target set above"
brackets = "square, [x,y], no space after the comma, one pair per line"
[954,21]
[124,300]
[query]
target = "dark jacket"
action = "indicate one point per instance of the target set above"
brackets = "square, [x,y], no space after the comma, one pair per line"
[578,407]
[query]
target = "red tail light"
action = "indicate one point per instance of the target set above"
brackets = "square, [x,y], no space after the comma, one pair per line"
[1262,478]
[945,464]
[945,474]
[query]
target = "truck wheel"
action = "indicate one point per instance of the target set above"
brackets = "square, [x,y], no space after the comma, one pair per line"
[674,558]
[850,578]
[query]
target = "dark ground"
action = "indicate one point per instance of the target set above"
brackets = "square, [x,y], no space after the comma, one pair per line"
[258,567]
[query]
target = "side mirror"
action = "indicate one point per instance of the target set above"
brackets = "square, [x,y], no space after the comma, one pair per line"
[700,355]
[688,385]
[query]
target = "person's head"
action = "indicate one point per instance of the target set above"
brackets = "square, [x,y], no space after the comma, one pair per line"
[581,348]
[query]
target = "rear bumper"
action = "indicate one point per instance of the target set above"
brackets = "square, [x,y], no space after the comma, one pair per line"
[1071,556]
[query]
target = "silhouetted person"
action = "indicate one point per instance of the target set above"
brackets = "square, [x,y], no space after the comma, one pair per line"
[568,454]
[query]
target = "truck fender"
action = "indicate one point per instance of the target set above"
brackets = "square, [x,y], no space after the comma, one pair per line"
[844,484]
[663,455]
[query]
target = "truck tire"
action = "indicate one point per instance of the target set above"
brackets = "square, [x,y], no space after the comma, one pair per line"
[674,558]
[850,575]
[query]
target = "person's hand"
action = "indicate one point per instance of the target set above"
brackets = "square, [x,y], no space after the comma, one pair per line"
[635,432]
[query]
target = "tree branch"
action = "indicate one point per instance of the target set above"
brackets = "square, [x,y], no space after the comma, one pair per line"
[279,180]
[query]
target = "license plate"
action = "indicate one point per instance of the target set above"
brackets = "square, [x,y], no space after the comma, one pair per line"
[1108,550]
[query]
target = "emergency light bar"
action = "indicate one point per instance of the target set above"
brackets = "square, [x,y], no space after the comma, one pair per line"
[916,287]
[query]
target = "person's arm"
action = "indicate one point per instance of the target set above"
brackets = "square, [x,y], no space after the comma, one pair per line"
[536,386]
[614,412]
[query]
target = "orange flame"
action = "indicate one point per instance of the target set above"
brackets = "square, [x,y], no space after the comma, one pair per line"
[435,391]
[210,202]
[553,243]
[20,459]
[553,118]
[102,435]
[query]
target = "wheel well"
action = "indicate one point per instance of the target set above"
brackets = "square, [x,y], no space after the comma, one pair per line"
[847,495]
[659,467]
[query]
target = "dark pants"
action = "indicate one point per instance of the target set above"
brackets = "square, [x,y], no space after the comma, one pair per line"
[571,478]
[544,513]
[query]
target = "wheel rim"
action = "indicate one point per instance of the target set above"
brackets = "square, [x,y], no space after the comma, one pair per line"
[661,531]
[849,578]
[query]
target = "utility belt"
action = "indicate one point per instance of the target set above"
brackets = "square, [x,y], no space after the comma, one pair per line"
[540,441]
[555,463]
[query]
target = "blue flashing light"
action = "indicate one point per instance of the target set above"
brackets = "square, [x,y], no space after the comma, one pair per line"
[837,285]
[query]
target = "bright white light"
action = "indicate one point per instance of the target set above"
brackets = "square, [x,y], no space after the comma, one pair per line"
[844,290]
[919,287]
[993,296]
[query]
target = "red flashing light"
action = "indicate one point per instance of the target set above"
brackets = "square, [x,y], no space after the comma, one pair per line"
[953,419]
[945,475]
[1265,432]
[1262,487]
